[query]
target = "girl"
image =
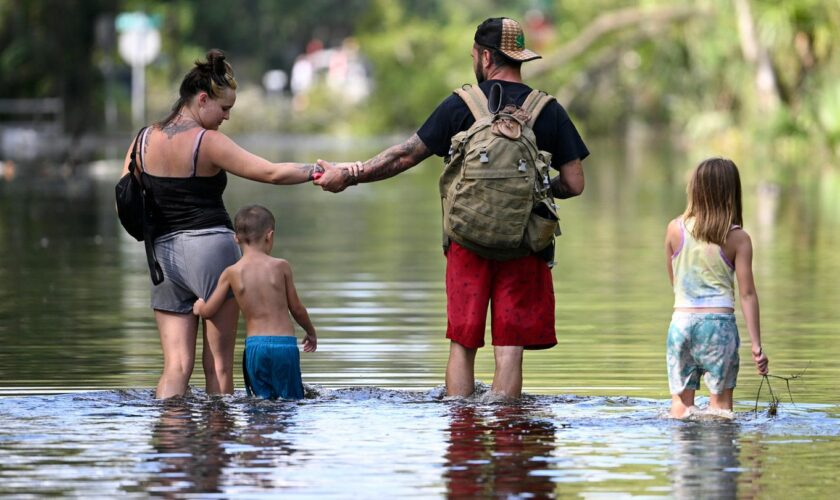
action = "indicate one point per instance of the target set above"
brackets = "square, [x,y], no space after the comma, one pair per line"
[706,249]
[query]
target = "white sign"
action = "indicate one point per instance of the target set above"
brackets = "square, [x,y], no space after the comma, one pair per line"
[139,48]
[139,40]
[139,44]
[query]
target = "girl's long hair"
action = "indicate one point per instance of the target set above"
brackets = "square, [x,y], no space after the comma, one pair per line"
[212,75]
[714,200]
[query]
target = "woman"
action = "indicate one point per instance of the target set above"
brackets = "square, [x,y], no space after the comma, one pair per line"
[184,160]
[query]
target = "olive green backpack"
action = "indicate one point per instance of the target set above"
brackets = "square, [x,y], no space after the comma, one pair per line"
[495,188]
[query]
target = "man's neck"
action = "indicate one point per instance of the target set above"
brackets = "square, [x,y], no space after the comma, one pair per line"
[505,73]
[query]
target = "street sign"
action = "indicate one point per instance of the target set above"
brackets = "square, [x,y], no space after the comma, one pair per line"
[139,39]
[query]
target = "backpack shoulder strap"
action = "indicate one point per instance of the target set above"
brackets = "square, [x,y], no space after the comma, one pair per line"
[534,104]
[475,99]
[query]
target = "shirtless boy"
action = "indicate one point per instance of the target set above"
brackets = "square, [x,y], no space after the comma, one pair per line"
[265,291]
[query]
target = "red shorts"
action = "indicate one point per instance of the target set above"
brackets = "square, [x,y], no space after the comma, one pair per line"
[521,293]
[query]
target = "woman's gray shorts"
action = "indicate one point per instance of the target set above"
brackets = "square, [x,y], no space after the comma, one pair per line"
[192,262]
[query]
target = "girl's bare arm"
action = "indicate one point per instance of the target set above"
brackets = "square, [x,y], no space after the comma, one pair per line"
[748,295]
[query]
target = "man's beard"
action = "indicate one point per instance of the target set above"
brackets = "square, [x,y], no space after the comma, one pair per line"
[479,76]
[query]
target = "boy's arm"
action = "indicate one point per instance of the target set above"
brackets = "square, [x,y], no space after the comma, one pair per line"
[298,311]
[749,296]
[209,308]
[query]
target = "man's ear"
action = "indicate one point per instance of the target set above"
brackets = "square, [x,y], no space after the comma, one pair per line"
[486,58]
[236,239]
[269,235]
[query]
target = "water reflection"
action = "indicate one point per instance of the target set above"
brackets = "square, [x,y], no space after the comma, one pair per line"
[190,448]
[498,451]
[707,461]
[266,448]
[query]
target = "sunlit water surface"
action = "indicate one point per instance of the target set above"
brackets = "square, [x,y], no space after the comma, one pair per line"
[80,353]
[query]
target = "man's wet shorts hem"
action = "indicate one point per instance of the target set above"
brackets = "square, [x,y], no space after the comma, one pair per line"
[271,365]
[520,293]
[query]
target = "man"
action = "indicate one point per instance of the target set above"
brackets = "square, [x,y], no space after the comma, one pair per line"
[520,289]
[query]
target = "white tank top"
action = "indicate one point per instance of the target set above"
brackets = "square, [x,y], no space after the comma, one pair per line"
[703,276]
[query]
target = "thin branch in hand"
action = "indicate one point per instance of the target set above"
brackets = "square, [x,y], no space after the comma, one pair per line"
[773,406]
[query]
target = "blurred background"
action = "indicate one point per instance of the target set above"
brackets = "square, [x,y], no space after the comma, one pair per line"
[654,86]
[754,79]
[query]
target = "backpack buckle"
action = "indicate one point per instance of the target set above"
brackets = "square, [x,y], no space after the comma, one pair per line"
[483,158]
[523,165]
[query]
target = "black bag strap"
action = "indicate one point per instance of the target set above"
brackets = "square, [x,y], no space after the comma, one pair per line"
[133,163]
[155,271]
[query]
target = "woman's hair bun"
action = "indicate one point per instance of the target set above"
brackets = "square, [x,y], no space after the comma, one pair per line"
[216,60]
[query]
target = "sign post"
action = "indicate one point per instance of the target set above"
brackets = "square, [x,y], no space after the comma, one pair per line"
[138,44]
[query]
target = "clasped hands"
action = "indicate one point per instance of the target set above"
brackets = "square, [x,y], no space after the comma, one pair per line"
[337,177]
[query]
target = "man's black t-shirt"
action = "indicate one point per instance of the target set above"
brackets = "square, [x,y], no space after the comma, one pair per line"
[554,129]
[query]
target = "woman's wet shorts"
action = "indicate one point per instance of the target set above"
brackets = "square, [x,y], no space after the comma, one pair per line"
[271,365]
[521,294]
[192,262]
[702,343]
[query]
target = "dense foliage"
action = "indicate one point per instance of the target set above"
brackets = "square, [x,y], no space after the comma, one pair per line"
[730,72]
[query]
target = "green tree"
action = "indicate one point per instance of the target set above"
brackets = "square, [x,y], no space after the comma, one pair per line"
[47,50]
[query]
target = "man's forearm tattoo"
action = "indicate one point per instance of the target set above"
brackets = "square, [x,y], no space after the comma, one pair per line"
[392,161]
[560,189]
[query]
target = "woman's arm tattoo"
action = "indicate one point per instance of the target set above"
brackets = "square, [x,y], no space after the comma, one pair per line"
[310,169]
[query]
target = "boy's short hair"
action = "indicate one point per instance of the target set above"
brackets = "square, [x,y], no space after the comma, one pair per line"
[252,222]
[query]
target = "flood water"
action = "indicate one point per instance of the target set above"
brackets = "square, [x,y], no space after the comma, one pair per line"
[80,353]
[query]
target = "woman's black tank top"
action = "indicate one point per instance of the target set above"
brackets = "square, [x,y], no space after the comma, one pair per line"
[183,203]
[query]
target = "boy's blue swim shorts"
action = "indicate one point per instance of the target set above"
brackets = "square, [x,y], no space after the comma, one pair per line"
[271,366]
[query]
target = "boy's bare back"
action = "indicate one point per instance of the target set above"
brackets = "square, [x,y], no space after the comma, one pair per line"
[264,290]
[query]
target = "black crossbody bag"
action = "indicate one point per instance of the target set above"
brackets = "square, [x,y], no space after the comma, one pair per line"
[136,210]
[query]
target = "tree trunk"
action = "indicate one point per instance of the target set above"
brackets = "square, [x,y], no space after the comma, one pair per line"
[756,54]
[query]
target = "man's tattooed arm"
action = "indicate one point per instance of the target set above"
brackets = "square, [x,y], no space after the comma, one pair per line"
[569,181]
[392,161]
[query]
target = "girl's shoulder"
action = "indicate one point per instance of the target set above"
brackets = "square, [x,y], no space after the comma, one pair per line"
[675,225]
[674,235]
[737,238]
